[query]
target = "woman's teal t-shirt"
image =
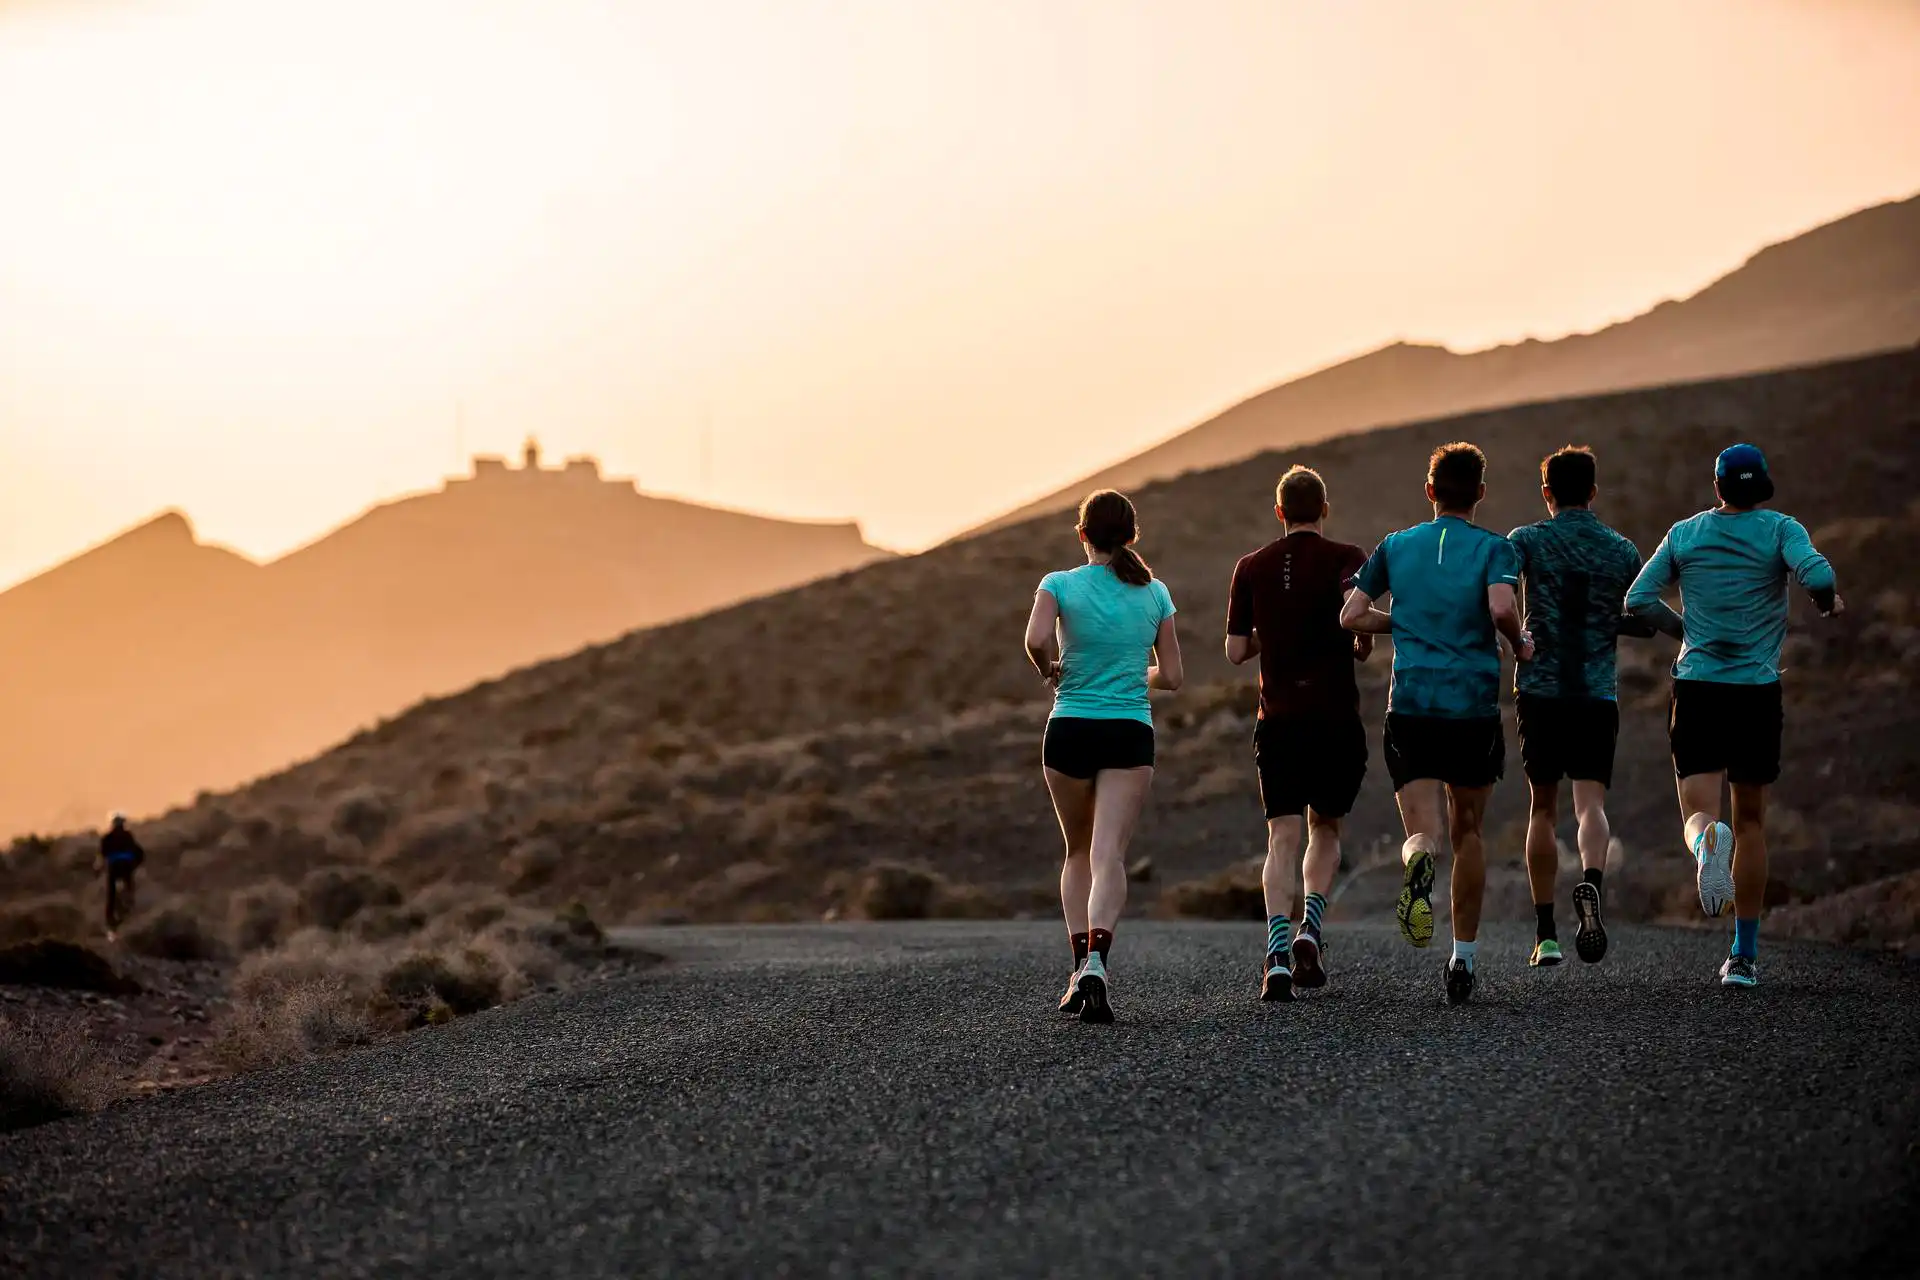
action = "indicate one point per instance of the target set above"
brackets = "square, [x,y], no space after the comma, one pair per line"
[1107,629]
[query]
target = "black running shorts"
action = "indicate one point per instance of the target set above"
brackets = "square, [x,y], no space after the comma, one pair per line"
[1312,762]
[1732,727]
[1567,738]
[1460,753]
[1081,748]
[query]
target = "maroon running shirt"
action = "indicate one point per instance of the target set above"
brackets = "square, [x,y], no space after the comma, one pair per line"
[1290,592]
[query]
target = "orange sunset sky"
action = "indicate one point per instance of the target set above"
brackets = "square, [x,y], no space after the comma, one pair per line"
[915,260]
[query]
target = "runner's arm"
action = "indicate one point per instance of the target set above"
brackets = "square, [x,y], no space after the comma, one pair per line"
[1504,605]
[1810,569]
[1358,614]
[1243,643]
[1643,597]
[1167,671]
[1043,647]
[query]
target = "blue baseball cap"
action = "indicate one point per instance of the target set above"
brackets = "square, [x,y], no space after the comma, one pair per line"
[1741,474]
[1740,462]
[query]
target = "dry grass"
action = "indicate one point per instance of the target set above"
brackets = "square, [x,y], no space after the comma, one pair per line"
[173,931]
[1234,893]
[67,966]
[50,1069]
[322,990]
[49,915]
[275,1025]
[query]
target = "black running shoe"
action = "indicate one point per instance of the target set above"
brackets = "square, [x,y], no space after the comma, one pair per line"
[1459,981]
[1072,1002]
[1093,988]
[1591,940]
[1278,984]
[1307,972]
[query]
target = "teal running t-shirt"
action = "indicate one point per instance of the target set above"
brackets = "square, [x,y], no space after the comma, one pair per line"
[1107,629]
[1446,653]
[1733,568]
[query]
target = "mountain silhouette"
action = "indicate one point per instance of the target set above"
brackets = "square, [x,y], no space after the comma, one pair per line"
[1847,288]
[155,666]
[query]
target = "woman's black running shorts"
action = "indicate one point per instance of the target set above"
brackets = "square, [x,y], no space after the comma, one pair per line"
[1081,748]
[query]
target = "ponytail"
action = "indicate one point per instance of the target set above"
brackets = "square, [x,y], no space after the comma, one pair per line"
[1108,523]
[1130,568]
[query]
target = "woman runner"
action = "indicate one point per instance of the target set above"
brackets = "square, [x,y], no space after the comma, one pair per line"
[1102,635]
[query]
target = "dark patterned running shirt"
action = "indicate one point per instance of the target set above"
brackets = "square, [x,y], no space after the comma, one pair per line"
[1574,575]
[1290,592]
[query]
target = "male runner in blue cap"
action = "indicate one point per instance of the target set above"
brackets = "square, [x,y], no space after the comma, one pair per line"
[1733,564]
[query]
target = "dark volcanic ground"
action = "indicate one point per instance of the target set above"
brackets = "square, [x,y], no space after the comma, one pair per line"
[874,1099]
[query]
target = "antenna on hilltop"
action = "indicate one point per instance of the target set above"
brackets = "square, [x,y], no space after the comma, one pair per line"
[706,453]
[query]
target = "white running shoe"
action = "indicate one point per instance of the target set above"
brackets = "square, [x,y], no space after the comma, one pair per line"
[1713,858]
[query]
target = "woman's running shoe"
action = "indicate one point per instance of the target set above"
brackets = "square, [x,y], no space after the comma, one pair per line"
[1278,984]
[1739,971]
[1093,993]
[1459,981]
[1307,970]
[1590,940]
[1546,954]
[1072,1002]
[1713,858]
[1093,988]
[1414,910]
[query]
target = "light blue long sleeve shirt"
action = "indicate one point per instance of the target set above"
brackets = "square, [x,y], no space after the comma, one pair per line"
[1733,569]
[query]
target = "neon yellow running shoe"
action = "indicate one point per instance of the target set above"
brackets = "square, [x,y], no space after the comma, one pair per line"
[1414,910]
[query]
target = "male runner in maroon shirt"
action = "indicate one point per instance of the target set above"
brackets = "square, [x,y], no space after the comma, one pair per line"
[1310,746]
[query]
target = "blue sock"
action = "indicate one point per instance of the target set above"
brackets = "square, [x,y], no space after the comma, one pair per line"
[1316,903]
[1464,951]
[1279,930]
[1746,937]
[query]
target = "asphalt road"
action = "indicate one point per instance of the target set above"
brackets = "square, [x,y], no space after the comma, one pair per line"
[880,1100]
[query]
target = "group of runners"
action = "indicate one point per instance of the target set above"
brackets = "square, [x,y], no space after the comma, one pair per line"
[1557,594]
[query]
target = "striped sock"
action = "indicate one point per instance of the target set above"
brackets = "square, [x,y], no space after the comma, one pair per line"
[1279,931]
[1316,903]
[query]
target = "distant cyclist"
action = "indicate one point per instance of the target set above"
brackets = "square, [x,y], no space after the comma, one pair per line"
[1453,587]
[120,856]
[1733,564]
[1574,575]
[1309,746]
[1102,635]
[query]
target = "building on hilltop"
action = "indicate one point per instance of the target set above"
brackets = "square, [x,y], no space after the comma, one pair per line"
[493,469]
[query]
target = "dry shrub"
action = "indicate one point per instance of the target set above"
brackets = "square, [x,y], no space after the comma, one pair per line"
[174,931]
[331,896]
[530,865]
[49,1070]
[70,966]
[262,915]
[48,916]
[363,814]
[1232,894]
[292,1023]
[384,924]
[466,982]
[895,891]
[311,955]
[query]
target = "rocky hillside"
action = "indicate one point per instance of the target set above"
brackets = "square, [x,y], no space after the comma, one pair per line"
[752,762]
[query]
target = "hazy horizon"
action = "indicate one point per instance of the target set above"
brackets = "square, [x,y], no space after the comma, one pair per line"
[913,268]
